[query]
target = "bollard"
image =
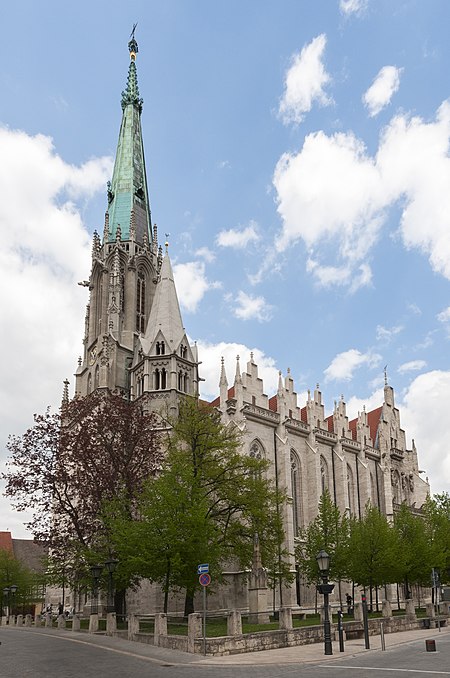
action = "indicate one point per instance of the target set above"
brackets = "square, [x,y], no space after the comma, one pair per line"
[341,630]
[383,644]
[430,645]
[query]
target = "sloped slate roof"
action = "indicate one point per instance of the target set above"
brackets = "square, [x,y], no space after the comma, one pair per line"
[30,553]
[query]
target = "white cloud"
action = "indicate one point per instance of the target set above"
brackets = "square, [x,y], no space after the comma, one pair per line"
[252,307]
[305,82]
[239,238]
[386,334]
[415,310]
[424,415]
[211,354]
[357,7]
[370,403]
[45,252]
[192,284]
[444,316]
[381,91]
[412,366]
[344,364]
[333,192]
[206,254]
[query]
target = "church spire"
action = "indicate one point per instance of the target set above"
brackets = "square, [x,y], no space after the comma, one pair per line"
[127,192]
[165,315]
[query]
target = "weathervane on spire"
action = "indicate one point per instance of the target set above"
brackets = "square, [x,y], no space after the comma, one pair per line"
[385,376]
[132,45]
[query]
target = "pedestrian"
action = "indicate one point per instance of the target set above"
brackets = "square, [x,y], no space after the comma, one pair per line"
[349,604]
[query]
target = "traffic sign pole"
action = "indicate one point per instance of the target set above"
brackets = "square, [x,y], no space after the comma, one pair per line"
[204,620]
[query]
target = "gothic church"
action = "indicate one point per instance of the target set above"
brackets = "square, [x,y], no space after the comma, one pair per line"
[135,341]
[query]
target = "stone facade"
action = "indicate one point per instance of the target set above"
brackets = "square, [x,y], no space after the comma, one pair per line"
[135,342]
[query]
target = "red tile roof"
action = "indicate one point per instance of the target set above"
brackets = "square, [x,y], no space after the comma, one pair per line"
[216,401]
[352,427]
[374,419]
[304,415]
[330,423]
[6,543]
[273,403]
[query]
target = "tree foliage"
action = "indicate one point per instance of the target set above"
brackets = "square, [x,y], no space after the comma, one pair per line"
[437,520]
[205,505]
[69,463]
[413,558]
[13,572]
[371,549]
[328,531]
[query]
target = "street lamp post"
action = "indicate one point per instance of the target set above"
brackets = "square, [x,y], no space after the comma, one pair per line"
[9,593]
[6,600]
[96,571]
[323,562]
[111,565]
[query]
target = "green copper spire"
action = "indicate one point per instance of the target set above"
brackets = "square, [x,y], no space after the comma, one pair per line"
[128,204]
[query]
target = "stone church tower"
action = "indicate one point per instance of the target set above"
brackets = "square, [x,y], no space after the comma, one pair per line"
[134,339]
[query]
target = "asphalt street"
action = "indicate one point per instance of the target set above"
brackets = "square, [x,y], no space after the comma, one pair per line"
[40,653]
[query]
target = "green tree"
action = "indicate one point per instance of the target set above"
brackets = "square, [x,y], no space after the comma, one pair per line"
[29,584]
[328,531]
[371,550]
[437,521]
[413,557]
[206,505]
[65,467]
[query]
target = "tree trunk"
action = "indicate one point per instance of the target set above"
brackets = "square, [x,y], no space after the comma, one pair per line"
[189,603]
[166,587]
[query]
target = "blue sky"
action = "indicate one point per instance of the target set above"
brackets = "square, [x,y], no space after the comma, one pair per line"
[297,154]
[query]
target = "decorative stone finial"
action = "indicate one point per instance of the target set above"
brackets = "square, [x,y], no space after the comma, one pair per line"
[132,45]
[65,398]
[131,94]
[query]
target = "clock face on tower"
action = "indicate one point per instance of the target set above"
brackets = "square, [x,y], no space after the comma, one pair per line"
[92,355]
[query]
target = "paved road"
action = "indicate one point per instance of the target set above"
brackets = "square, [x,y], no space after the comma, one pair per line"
[41,653]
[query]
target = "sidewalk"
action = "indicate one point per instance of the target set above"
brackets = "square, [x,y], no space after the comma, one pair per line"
[315,652]
[289,655]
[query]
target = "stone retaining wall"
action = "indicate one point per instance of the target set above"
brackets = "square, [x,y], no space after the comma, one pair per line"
[249,642]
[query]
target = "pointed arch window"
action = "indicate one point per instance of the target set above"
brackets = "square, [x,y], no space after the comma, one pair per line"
[122,288]
[96,378]
[323,475]
[350,490]
[373,491]
[256,452]
[396,487]
[89,383]
[160,379]
[160,348]
[296,493]
[140,302]
[99,305]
